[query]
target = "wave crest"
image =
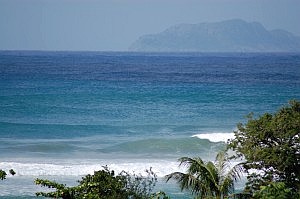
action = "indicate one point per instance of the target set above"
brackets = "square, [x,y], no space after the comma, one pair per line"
[215,137]
[164,147]
[81,169]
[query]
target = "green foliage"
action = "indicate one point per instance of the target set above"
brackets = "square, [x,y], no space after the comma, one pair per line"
[207,179]
[140,186]
[275,190]
[271,145]
[61,190]
[3,174]
[12,172]
[104,184]
[159,195]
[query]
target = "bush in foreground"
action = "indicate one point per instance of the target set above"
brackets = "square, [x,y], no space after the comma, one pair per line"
[275,190]
[105,184]
[270,145]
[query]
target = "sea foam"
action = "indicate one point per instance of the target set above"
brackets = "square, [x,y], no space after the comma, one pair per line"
[160,167]
[215,137]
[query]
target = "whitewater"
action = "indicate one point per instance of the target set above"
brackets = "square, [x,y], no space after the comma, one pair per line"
[66,114]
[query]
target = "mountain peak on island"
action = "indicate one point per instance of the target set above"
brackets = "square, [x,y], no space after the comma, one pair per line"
[234,35]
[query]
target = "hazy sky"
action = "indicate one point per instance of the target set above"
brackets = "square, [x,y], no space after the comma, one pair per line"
[112,25]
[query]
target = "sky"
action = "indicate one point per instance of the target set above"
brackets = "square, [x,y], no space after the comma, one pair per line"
[112,25]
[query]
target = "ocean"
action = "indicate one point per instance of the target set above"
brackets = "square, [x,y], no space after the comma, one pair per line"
[66,114]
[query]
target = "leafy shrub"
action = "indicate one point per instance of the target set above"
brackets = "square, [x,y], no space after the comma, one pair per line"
[105,184]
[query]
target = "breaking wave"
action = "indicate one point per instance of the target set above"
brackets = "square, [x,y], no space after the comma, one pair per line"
[215,137]
[160,167]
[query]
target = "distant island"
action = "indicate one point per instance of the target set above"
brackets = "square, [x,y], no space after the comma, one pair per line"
[227,36]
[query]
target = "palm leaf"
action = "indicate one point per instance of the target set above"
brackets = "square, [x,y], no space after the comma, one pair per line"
[186,181]
[201,177]
[207,179]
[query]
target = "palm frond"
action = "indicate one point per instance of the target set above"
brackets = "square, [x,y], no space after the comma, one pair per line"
[228,174]
[212,175]
[235,172]
[187,181]
[207,179]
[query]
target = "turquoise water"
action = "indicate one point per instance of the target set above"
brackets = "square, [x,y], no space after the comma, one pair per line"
[65,114]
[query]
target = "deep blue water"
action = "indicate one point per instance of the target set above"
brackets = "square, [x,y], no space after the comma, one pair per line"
[69,113]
